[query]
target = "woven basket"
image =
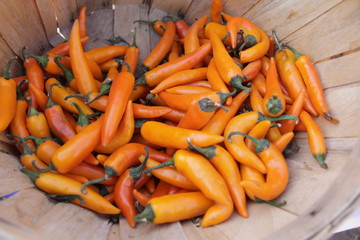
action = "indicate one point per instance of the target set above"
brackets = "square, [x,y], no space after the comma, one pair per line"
[317,199]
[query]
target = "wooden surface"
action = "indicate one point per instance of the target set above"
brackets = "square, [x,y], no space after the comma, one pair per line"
[317,199]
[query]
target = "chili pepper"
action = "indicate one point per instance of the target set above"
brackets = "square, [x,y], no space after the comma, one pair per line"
[218,122]
[105,53]
[256,100]
[123,133]
[265,63]
[95,70]
[18,122]
[143,111]
[40,96]
[258,131]
[82,21]
[230,72]
[77,148]
[183,102]
[70,118]
[215,80]
[315,138]
[313,84]
[168,174]
[220,31]
[18,80]
[150,184]
[141,198]
[125,157]
[295,109]
[271,50]
[174,51]
[159,26]
[252,175]
[131,57]
[82,120]
[274,102]
[36,122]
[274,133]
[199,114]
[137,138]
[69,76]
[290,75]
[161,49]
[188,61]
[228,169]
[300,127]
[210,182]
[175,207]
[8,96]
[283,141]
[179,78]
[118,97]
[101,158]
[252,70]
[181,26]
[244,123]
[277,175]
[191,39]
[215,10]
[252,34]
[188,90]
[53,183]
[79,64]
[257,51]
[28,158]
[123,196]
[63,47]
[175,137]
[47,62]
[104,67]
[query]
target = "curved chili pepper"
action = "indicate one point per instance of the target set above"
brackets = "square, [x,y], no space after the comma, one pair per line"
[181,26]
[105,53]
[161,49]
[313,84]
[82,120]
[118,97]
[251,70]
[174,51]
[188,61]
[256,100]
[274,133]
[47,62]
[230,72]
[158,26]
[77,148]
[295,109]
[228,169]
[215,80]
[188,90]
[175,207]
[150,184]
[277,175]
[199,114]
[251,32]
[210,182]
[34,72]
[104,67]
[258,131]
[215,10]
[36,123]
[218,122]
[283,141]
[95,70]
[123,133]
[315,138]
[220,31]
[143,111]
[179,78]
[274,102]
[82,21]
[191,39]
[174,115]
[162,189]
[168,174]
[131,57]
[141,198]
[244,123]
[183,102]
[39,95]
[57,184]
[84,78]
[291,77]
[256,51]
[8,96]
[138,92]
[175,137]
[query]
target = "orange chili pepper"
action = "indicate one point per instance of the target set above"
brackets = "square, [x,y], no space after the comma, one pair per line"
[82,72]
[215,10]
[8,96]
[313,84]
[295,110]
[56,184]
[131,57]
[36,123]
[220,30]
[300,127]
[40,96]
[256,100]
[188,61]
[137,138]
[161,49]
[271,50]
[251,32]
[95,70]
[283,141]
[265,63]
[164,135]
[150,184]
[251,70]
[291,77]
[274,133]
[256,51]
[104,67]
[82,21]
[118,97]
[141,198]
[174,115]
[181,26]
[258,131]
[315,138]
[252,175]
[228,169]
[277,175]
[182,89]
[174,52]
[105,53]
[123,133]
[158,26]
[218,122]
[274,102]
[230,72]
[168,174]
[175,207]
[191,39]
[143,111]
[179,78]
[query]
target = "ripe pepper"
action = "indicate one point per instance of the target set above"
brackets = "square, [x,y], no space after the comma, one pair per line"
[36,123]
[182,89]
[251,32]
[144,111]
[41,98]
[131,57]
[105,53]
[181,26]
[158,26]
[191,39]
[251,70]
[8,96]
[215,10]
[257,51]
[295,109]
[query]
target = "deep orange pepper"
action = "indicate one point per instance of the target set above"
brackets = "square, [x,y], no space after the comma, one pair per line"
[105,53]
[251,70]
[256,51]
[36,123]
[315,138]
[182,89]
[256,100]
[271,50]
[150,184]
[131,57]
[251,32]
[82,21]
[164,135]
[143,111]
[265,61]
[174,115]
[273,134]
[216,81]
[40,96]
[174,51]
[215,10]
[283,141]
[56,184]
[158,26]
[8,97]
[191,39]
[295,109]
[181,26]
[95,70]
[141,198]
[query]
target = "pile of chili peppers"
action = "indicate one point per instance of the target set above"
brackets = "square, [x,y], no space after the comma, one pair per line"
[198,130]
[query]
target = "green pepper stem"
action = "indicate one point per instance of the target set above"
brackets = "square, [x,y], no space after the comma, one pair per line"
[6,71]
[208,152]
[104,89]
[174,19]
[277,41]
[121,62]
[274,203]
[24,56]
[146,215]
[260,144]
[31,174]
[135,172]
[296,53]
[32,110]
[26,149]
[19,95]
[68,74]
[262,117]
[134,39]
[38,141]
[169,162]
[236,82]
[42,60]
[320,158]
[140,81]
[49,168]
[84,96]
[109,172]
[82,119]
[225,37]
